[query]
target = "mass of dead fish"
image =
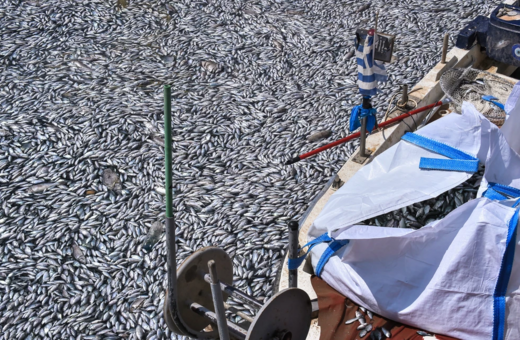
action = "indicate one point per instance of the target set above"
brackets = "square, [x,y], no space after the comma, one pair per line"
[422,213]
[82,144]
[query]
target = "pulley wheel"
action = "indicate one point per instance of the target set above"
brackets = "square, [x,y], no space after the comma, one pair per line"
[191,287]
[287,315]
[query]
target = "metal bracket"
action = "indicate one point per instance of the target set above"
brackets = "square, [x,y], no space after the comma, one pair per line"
[360,159]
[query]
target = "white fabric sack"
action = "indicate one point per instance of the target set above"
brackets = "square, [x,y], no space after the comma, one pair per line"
[393,179]
[441,277]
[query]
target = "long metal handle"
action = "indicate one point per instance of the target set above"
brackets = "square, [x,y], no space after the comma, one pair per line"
[357,134]
[218,302]
[236,332]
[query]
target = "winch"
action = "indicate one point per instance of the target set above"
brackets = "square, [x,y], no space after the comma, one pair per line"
[195,302]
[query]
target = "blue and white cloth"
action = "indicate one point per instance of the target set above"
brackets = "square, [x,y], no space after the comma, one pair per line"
[369,70]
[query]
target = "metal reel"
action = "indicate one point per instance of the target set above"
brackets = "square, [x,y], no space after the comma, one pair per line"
[286,316]
[191,287]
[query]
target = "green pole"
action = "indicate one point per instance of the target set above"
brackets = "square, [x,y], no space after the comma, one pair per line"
[168,148]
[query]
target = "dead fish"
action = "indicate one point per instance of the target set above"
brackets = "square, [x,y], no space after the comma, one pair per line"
[362,320]
[363,309]
[78,254]
[423,333]
[319,135]
[377,335]
[361,327]
[40,187]
[437,10]
[370,315]
[362,333]
[363,8]
[138,303]
[349,55]
[368,327]
[348,322]
[386,332]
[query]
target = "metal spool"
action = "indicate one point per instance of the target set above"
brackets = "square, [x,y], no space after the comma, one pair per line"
[191,287]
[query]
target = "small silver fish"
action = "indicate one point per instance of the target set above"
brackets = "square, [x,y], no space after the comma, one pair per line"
[423,333]
[363,333]
[348,322]
[386,332]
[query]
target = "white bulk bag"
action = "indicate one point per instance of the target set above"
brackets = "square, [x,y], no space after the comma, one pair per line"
[442,277]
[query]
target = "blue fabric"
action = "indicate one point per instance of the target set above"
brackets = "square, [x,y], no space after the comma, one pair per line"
[500,191]
[493,195]
[331,249]
[327,254]
[370,71]
[499,297]
[448,164]
[358,112]
[459,160]
[500,105]
[296,263]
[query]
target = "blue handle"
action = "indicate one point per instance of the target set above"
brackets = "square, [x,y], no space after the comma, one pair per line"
[498,104]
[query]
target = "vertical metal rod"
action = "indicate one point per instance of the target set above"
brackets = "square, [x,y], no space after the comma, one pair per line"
[445,48]
[235,330]
[375,37]
[170,225]
[218,302]
[404,97]
[239,313]
[293,252]
[168,148]
[363,137]
[252,302]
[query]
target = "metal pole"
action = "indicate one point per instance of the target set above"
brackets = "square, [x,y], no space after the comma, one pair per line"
[445,48]
[236,332]
[236,293]
[170,225]
[293,252]
[363,137]
[362,150]
[239,313]
[218,302]
[404,97]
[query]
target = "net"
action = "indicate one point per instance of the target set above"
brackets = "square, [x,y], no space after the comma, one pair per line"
[469,84]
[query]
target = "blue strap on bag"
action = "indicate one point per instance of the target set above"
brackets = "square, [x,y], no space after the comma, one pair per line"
[459,160]
[334,245]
